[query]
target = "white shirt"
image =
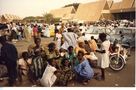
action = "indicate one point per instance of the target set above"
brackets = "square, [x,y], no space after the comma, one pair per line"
[70,39]
[59,36]
[58,27]
[23,63]
[48,77]
[30,29]
[15,29]
[103,60]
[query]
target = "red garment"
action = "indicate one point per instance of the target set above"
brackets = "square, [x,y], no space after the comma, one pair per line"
[35,31]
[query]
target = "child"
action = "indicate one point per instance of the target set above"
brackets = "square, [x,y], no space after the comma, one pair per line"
[49,77]
[65,64]
[83,70]
[24,63]
[65,73]
[72,56]
[63,53]
[103,60]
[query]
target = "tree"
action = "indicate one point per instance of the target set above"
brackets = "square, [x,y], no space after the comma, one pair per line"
[29,19]
[48,17]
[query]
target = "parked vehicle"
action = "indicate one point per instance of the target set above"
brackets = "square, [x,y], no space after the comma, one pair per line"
[118,56]
[94,31]
[124,35]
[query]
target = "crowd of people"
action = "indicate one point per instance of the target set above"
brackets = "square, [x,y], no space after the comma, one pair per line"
[116,23]
[44,63]
[19,31]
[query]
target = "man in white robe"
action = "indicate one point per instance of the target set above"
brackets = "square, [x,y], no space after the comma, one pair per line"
[70,39]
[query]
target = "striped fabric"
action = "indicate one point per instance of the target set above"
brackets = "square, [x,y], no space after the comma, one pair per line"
[37,67]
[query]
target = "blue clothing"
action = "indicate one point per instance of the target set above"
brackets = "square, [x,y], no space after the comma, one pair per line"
[84,69]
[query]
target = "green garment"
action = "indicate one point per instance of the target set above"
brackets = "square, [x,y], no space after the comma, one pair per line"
[72,58]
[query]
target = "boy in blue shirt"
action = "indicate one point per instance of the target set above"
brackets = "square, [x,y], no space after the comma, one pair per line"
[83,70]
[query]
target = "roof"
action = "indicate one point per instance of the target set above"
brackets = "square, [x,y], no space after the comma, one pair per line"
[124,6]
[127,4]
[12,17]
[9,18]
[3,19]
[69,17]
[62,12]
[91,11]
[115,6]
[110,2]
[133,6]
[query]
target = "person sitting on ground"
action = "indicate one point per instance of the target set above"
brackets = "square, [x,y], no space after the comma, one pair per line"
[52,52]
[63,53]
[83,70]
[91,55]
[72,56]
[24,64]
[81,46]
[65,64]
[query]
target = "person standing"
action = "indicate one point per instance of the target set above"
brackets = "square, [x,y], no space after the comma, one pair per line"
[93,44]
[9,55]
[26,33]
[47,30]
[70,39]
[38,64]
[14,32]
[30,31]
[39,31]
[59,37]
[61,30]
[71,55]
[55,31]
[103,60]
[35,31]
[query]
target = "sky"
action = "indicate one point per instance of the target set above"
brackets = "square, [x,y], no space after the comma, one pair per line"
[25,8]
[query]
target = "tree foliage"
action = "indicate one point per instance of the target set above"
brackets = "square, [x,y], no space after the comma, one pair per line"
[29,19]
[75,5]
[48,17]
